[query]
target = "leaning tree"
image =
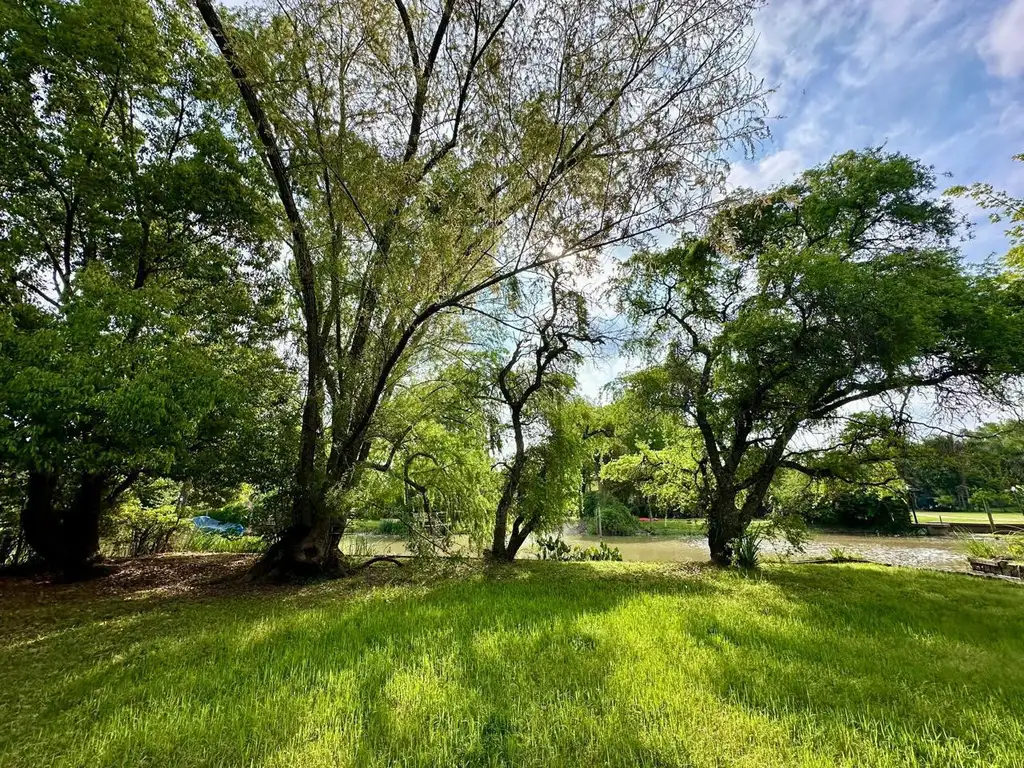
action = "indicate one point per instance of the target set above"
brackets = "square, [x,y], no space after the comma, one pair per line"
[426,152]
[799,304]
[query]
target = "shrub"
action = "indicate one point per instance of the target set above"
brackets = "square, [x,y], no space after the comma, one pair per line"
[237,511]
[601,552]
[615,518]
[860,509]
[553,548]
[269,513]
[392,527]
[747,551]
[1015,546]
[134,530]
[590,500]
[840,555]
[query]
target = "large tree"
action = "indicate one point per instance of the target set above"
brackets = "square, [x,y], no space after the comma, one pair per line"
[138,300]
[426,152]
[801,303]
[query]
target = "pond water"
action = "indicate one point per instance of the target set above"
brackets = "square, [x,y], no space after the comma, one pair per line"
[937,552]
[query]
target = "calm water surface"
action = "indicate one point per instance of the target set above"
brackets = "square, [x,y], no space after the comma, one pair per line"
[938,552]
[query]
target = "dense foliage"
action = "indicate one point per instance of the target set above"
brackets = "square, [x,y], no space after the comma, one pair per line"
[136,245]
[802,302]
[306,263]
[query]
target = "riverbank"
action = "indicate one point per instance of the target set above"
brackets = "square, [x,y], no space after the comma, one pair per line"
[536,664]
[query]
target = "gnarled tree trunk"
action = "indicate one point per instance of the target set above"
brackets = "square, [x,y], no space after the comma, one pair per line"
[304,550]
[308,547]
[725,525]
[65,534]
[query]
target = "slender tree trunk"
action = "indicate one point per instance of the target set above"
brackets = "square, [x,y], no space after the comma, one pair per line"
[508,494]
[511,489]
[309,546]
[66,536]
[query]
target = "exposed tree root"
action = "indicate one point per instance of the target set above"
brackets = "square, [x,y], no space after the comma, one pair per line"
[377,559]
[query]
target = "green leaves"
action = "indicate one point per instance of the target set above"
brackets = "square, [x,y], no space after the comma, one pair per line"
[1004,209]
[137,233]
[799,303]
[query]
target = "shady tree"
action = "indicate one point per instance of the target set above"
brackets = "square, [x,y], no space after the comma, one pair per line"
[799,304]
[138,301]
[425,152]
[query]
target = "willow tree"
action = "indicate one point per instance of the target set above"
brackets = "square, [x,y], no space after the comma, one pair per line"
[426,152]
[805,302]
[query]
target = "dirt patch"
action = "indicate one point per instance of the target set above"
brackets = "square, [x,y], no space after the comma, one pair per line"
[170,574]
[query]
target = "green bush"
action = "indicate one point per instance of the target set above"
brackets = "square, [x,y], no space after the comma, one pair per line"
[553,548]
[861,509]
[1015,547]
[133,530]
[840,555]
[237,511]
[269,513]
[616,519]
[600,553]
[590,500]
[392,527]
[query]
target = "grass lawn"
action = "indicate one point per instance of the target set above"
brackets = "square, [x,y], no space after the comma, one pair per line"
[675,527]
[539,664]
[1010,518]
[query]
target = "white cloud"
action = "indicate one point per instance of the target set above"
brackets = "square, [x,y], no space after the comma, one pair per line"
[1003,45]
[780,166]
[893,36]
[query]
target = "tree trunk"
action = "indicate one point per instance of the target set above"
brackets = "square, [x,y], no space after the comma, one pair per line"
[303,551]
[308,548]
[66,536]
[725,525]
[519,535]
[508,495]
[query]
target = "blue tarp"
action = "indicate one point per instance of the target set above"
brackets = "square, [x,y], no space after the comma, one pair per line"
[206,523]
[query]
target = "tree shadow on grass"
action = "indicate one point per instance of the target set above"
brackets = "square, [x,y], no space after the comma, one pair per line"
[249,677]
[539,664]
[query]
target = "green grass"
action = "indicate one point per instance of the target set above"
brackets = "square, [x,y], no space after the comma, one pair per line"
[1010,518]
[359,525]
[540,664]
[675,527]
[194,540]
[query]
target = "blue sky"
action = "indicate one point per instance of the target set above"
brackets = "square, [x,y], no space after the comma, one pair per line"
[942,80]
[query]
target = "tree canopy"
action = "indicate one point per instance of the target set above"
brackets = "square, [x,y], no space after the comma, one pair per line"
[136,240]
[800,303]
[334,260]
